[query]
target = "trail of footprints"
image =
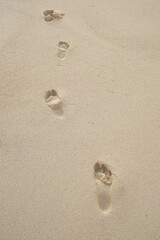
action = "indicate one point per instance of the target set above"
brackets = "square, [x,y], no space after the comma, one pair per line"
[102,173]
[49,16]
[51,97]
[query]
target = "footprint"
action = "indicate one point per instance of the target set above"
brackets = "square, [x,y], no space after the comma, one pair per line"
[50,15]
[48,12]
[62,49]
[104,180]
[53,101]
[48,18]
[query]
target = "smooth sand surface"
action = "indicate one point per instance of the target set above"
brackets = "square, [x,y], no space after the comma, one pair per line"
[109,84]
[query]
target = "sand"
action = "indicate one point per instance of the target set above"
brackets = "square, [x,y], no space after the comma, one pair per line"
[108,84]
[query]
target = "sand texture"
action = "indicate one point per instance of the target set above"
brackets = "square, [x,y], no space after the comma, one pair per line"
[79,120]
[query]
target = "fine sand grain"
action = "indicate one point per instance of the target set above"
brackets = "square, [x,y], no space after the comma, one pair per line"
[66,107]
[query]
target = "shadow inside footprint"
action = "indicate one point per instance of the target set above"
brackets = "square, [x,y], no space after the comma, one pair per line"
[50,15]
[54,102]
[104,195]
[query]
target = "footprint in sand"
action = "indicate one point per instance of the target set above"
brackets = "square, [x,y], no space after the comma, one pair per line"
[53,101]
[104,179]
[50,15]
[62,49]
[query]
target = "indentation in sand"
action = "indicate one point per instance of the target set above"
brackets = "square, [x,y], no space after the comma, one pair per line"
[52,99]
[103,173]
[54,102]
[50,15]
[104,179]
[48,18]
[48,12]
[62,49]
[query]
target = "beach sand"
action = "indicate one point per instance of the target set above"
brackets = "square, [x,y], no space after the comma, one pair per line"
[107,84]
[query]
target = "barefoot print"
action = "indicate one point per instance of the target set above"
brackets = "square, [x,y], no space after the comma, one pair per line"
[52,99]
[62,49]
[50,15]
[104,179]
